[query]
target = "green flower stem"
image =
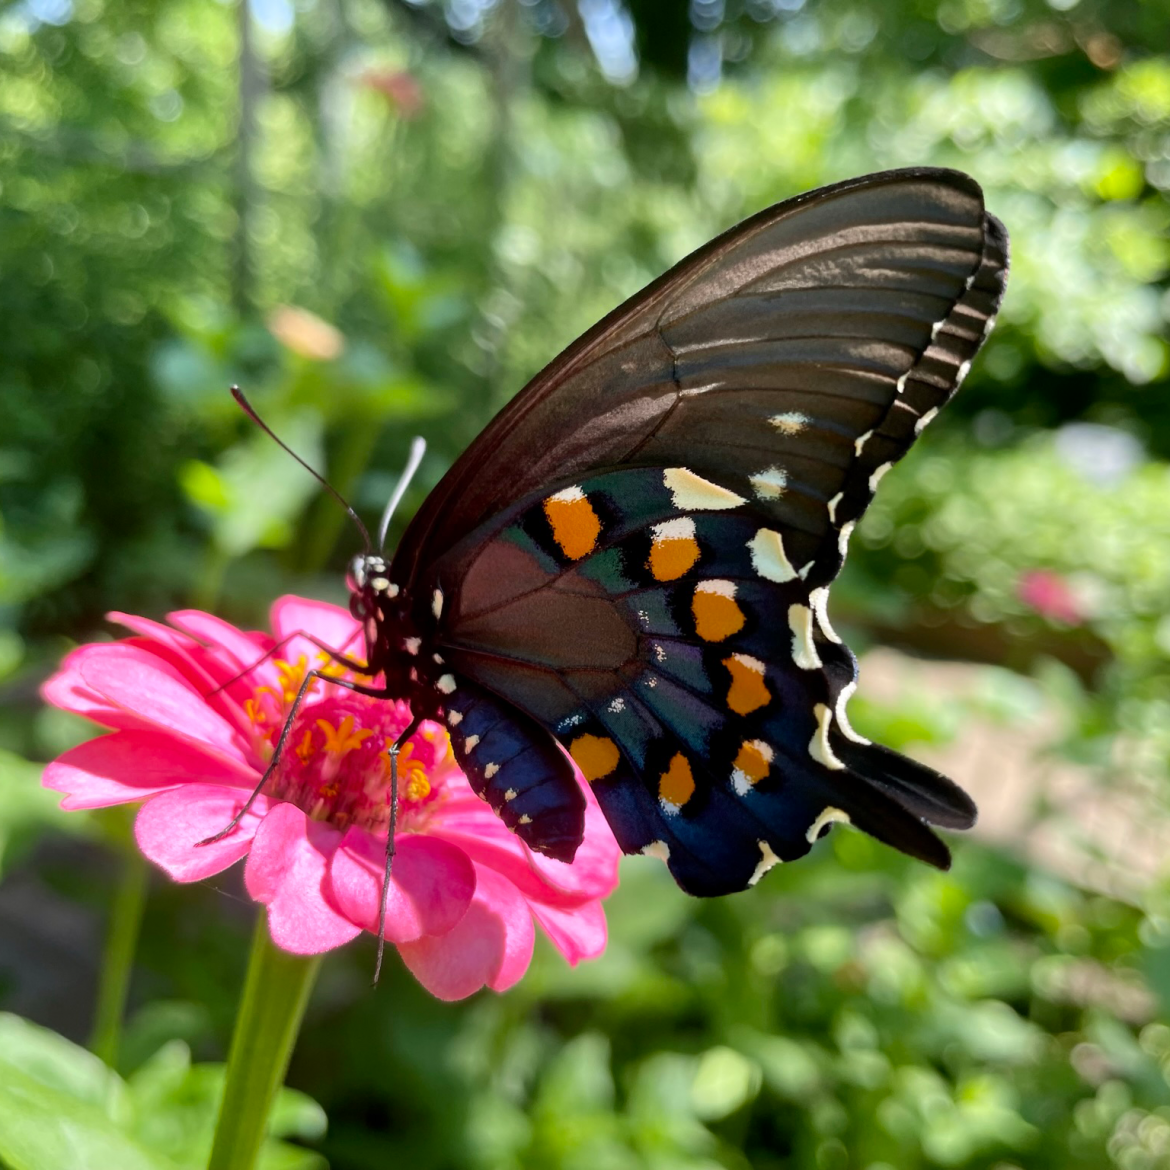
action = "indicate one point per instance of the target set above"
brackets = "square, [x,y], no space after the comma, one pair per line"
[118,960]
[276,990]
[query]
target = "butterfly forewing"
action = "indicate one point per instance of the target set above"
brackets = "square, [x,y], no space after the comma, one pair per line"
[634,558]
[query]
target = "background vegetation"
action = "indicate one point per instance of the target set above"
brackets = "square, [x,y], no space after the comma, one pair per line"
[456,190]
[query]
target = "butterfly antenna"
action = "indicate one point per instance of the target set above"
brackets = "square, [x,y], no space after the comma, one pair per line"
[250,411]
[418,448]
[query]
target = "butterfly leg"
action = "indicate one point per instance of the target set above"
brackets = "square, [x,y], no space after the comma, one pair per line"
[340,659]
[278,752]
[395,748]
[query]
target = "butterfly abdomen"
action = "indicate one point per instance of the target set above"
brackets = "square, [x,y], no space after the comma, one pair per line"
[516,766]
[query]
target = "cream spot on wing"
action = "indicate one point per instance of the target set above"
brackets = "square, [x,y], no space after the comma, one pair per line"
[876,478]
[820,607]
[454,718]
[804,651]
[861,441]
[767,860]
[842,718]
[490,771]
[437,603]
[770,484]
[438,659]
[925,420]
[901,383]
[446,683]
[828,816]
[819,747]
[843,537]
[791,422]
[693,493]
[617,706]
[833,507]
[392,591]
[658,849]
[470,742]
[511,794]
[769,558]
[964,370]
[990,325]
[525,819]
[412,644]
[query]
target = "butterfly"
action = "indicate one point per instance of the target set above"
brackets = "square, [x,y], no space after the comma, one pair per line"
[629,569]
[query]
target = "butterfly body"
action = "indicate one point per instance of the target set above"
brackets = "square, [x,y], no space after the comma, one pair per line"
[634,560]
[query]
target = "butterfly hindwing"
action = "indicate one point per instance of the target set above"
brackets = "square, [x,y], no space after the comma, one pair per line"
[686,666]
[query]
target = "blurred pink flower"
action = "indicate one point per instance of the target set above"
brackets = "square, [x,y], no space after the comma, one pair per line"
[1050,595]
[464,891]
[401,89]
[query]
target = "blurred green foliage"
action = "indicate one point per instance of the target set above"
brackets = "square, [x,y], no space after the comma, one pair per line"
[453,191]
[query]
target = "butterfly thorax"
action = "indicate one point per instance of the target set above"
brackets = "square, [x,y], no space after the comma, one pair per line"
[397,646]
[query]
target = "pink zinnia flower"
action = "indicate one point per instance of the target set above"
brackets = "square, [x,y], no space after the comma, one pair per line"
[464,891]
[1051,596]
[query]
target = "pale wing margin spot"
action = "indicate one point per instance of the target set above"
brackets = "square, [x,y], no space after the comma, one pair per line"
[658,849]
[843,537]
[491,770]
[828,816]
[820,607]
[925,420]
[833,507]
[767,860]
[819,747]
[861,441]
[804,651]
[511,794]
[769,558]
[770,484]
[470,742]
[876,478]
[791,422]
[693,493]
[842,718]
[437,604]
[446,683]
[454,718]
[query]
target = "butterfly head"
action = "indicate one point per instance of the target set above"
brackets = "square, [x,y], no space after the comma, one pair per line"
[369,587]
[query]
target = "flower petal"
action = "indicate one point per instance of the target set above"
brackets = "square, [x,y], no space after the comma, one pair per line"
[469,823]
[490,946]
[131,765]
[431,884]
[171,825]
[578,934]
[332,624]
[144,686]
[287,870]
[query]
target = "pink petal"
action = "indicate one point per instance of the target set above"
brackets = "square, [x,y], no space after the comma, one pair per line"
[155,693]
[132,765]
[241,648]
[171,825]
[469,823]
[330,623]
[156,631]
[577,934]
[287,870]
[431,884]
[490,946]
[68,690]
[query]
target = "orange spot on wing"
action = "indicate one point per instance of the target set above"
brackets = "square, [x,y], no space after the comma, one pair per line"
[747,692]
[717,616]
[595,755]
[677,785]
[754,760]
[574,523]
[673,549]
